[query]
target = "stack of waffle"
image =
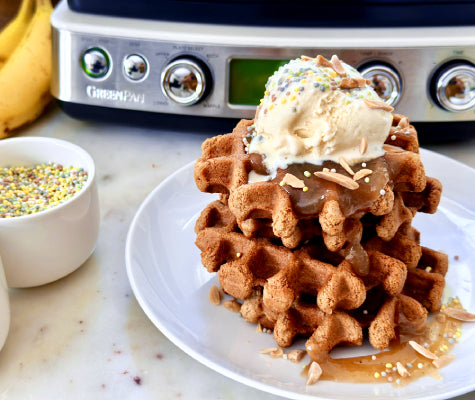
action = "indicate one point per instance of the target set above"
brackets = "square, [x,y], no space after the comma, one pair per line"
[322,251]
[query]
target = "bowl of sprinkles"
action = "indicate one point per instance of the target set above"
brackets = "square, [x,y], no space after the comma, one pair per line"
[49,209]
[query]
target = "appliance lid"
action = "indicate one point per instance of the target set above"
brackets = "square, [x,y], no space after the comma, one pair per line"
[297,13]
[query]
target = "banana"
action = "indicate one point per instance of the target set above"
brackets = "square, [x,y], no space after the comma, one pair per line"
[11,35]
[25,77]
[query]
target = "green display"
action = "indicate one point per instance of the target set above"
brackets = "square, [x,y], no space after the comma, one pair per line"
[247,79]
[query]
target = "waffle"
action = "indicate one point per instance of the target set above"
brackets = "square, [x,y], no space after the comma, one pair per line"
[314,292]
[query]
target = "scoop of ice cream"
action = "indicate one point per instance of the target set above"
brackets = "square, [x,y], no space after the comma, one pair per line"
[315,110]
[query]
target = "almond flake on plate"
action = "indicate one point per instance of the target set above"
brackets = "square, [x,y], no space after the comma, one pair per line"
[296,355]
[314,373]
[459,314]
[274,352]
[277,353]
[443,360]
[401,369]
[215,296]
[268,350]
[422,350]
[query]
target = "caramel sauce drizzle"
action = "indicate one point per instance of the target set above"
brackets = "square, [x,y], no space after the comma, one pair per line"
[320,190]
[353,203]
[439,336]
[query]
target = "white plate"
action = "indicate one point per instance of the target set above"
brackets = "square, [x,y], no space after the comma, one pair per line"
[172,287]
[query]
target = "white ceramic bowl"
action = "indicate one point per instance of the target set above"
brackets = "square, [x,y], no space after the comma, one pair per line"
[43,247]
[4,308]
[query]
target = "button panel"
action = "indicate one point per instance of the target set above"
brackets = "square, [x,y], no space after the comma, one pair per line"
[98,82]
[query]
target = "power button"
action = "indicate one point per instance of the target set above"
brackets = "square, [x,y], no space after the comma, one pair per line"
[95,62]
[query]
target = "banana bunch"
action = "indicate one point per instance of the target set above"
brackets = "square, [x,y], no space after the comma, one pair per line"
[25,65]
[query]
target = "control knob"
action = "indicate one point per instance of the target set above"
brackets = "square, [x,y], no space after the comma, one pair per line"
[385,81]
[185,81]
[453,86]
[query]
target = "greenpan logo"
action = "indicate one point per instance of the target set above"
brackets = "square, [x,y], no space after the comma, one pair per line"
[125,96]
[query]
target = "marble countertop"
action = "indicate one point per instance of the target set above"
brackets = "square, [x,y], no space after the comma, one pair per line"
[85,336]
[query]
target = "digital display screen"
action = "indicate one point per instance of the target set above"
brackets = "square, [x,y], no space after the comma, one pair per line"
[247,79]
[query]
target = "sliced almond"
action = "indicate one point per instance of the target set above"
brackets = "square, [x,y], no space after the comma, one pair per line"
[338,66]
[268,350]
[314,373]
[345,166]
[326,170]
[389,148]
[378,105]
[215,296]
[338,178]
[363,145]
[402,370]
[362,173]
[296,355]
[259,328]
[293,181]
[305,58]
[459,314]
[274,352]
[352,83]
[422,350]
[232,305]
[403,123]
[277,353]
[443,360]
[323,62]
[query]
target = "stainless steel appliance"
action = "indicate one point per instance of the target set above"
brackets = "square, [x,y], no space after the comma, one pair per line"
[219,69]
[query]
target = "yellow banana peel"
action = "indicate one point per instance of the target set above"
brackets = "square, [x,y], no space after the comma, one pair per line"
[11,35]
[26,75]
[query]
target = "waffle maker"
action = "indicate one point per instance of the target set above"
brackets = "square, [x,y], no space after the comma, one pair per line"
[197,62]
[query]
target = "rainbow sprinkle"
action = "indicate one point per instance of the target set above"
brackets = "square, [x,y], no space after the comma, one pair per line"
[28,190]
